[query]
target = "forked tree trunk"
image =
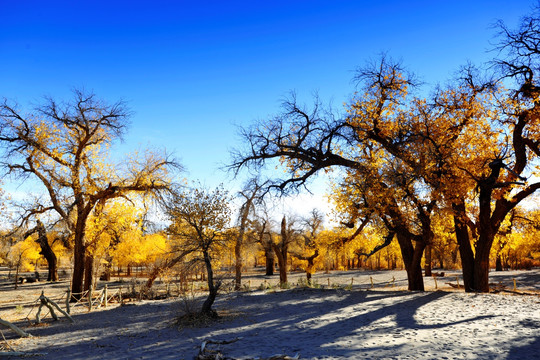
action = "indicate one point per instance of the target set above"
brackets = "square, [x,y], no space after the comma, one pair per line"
[310,264]
[47,252]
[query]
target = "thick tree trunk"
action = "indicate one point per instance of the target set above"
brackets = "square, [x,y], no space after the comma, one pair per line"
[282,263]
[88,272]
[309,272]
[269,260]
[79,255]
[412,258]
[17,273]
[481,262]
[464,243]
[53,269]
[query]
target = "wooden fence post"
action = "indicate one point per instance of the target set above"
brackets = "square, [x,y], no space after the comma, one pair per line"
[106,295]
[90,299]
[68,309]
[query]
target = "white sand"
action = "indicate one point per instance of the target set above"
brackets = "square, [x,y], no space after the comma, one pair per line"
[379,323]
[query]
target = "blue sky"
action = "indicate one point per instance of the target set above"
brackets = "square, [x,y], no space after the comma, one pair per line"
[193,70]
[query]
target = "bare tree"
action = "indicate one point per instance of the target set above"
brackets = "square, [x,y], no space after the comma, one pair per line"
[263,235]
[281,248]
[312,227]
[314,140]
[251,194]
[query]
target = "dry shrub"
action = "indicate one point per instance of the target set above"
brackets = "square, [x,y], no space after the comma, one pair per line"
[189,314]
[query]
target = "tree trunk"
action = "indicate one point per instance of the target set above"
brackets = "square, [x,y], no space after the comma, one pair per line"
[281,253]
[440,257]
[107,272]
[47,252]
[310,265]
[269,259]
[282,263]
[465,250]
[427,261]
[88,272]
[79,255]
[238,260]
[481,263]
[212,289]
[240,239]
[412,258]
[498,263]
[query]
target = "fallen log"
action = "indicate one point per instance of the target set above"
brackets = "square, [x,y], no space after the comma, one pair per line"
[13,327]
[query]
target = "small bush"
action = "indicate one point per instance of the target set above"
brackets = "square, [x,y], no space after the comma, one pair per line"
[189,314]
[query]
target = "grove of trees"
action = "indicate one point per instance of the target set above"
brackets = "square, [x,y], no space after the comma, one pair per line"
[469,150]
[441,177]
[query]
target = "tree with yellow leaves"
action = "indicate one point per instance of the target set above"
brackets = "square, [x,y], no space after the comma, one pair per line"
[109,227]
[64,146]
[403,156]
[46,249]
[23,255]
[199,219]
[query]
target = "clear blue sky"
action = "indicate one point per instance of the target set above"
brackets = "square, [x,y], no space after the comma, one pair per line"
[191,70]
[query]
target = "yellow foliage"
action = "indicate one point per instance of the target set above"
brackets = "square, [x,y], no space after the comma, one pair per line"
[25,254]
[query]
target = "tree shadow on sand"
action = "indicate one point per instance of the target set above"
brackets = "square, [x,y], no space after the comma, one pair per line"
[311,325]
[309,322]
[531,348]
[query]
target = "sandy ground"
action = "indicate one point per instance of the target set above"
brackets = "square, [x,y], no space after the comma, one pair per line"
[383,322]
